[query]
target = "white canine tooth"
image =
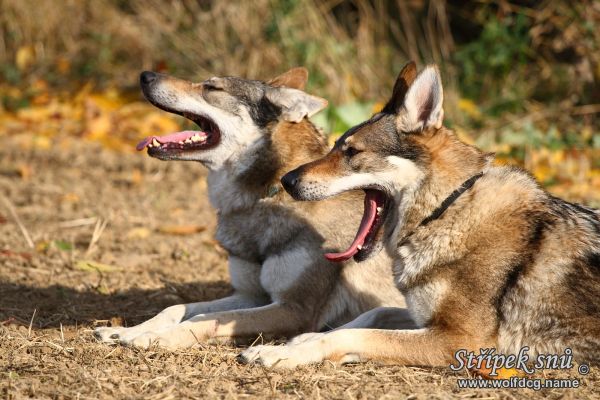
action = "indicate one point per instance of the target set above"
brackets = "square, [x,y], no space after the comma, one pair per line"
[359,247]
[155,143]
[195,138]
[188,140]
[379,210]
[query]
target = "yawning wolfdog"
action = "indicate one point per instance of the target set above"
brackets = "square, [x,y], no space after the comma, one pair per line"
[484,256]
[251,133]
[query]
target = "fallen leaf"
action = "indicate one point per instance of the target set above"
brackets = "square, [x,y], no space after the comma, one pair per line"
[102,289]
[70,198]
[87,265]
[42,246]
[62,245]
[25,57]
[501,373]
[181,230]
[138,233]
[13,254]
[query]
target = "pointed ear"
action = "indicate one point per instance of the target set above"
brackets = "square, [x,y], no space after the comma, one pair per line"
[423,102]
[403,82]
[295,78]
[294,103]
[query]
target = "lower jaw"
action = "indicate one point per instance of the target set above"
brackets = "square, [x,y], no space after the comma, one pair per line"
[373,247]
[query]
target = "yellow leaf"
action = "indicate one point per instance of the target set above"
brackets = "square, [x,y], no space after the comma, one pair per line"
[42,246]
[507,373]
[138,233]
[502,373]
[25,57]
[377,107]
[70,197]
[87,265]
[333,137]
[469,107]
[181,229]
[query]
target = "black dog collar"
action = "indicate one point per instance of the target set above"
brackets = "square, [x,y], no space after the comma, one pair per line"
[466,185]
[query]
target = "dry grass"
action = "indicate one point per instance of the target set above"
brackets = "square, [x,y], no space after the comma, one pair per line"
[200,39]
[353,49]
[48,304]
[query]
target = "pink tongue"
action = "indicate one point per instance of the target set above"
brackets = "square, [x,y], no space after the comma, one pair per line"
[365,226]
[172,138]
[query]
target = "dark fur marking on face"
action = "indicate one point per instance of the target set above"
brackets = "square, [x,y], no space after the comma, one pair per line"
[386,137]
[263,112]
[340,142]
[251,94]
[398,144]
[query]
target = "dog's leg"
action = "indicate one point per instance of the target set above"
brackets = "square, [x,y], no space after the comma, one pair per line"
[245,278]
[406,347]
[271,319]
[377,318]
[173,315]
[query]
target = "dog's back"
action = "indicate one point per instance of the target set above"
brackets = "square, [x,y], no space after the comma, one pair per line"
[550,300]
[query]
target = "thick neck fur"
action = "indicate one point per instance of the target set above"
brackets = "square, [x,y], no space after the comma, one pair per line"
[449,163]
[241,184]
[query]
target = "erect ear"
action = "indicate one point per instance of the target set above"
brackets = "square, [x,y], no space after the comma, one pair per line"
[295,78]
[403,82]
[423,102]
[294,103]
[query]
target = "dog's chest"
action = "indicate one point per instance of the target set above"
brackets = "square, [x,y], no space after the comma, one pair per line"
[423,290]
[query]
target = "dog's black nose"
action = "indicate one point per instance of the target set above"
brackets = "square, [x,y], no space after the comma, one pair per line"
[290,180]
[147,77]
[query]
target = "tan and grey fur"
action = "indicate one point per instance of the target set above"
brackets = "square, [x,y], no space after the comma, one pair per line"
[283,285]
[506,265]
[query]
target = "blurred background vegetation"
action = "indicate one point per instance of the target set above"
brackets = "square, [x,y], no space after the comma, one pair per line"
[521,77]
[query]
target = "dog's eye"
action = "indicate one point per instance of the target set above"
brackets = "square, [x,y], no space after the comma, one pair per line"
[351,152]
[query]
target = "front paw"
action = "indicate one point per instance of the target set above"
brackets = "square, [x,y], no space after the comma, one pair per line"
[285,356]
[149,339]
[109,334]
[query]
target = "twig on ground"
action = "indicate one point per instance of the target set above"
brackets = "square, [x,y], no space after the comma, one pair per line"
[98,230]
[31,324]
[24,231]
[75,223]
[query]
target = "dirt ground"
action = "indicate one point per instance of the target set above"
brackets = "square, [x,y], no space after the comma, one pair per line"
[155,250]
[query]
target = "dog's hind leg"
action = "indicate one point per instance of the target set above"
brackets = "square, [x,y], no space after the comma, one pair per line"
[423,347]
[377,318]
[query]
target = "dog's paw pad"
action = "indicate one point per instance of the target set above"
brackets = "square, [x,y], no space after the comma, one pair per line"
[106,334]
[268,356]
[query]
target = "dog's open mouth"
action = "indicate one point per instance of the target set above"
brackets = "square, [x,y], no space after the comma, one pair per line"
[180,142]
[376,208]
